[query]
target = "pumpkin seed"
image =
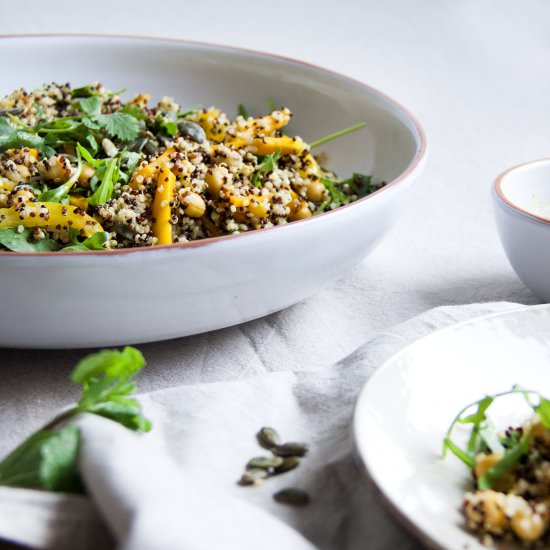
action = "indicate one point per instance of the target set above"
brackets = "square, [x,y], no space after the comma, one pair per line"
[151,147]
[288,463]
[137,145]
[253,476]
[290,449]
[192,130]
[268,438]
[293,497]
[265,462]
[12,111]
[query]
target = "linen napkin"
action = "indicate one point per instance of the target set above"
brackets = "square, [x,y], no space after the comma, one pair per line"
[175,487]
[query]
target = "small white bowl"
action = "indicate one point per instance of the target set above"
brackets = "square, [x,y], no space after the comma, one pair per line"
[68,300]
[522,211]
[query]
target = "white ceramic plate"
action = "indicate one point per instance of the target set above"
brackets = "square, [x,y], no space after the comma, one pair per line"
[119,297]
[406,407]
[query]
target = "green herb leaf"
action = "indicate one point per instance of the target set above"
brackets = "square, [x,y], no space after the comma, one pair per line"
[105,190]
[458,452]
[336,194]
[543,410]
[12,138]
[119,125]
[107,377]
[241,111]
[133,110]
[166,125]
[267,164]
[337,135]
[22,241]
[89,105]
[360,184]
[476,419]
[505,464]
[128,163]
[95,242]
[47,460]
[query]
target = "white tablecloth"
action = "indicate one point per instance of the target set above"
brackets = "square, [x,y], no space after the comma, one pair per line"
[477,76]
[175,487]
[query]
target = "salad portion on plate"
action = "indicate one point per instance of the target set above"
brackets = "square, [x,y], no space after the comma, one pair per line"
[509,498]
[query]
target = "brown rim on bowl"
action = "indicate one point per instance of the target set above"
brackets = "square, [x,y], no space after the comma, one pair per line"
[502,196]
[418,157]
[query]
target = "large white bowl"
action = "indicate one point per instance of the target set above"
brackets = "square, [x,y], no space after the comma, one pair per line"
[66,300]
[522,211]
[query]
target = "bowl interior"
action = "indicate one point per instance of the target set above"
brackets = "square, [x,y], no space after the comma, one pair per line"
[204,75]
[527,188]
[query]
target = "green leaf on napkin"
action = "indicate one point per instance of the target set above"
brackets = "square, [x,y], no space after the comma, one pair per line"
[48,458]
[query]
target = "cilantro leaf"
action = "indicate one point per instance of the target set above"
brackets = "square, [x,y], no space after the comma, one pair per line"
[48,458]
[13,138]
[17,241]
[119,125]
[106,378]
[89,105]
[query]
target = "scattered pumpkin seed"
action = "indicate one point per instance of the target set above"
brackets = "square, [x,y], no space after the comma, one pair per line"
[292,497]
[253,476]
[291,449]
[192,130]
[265,462]
[268,438]
[288,463]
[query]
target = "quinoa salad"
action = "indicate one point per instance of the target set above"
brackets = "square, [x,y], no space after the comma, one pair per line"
[510,497]
[82,170]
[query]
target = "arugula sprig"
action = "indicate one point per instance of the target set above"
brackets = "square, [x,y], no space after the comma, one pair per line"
[266,165]
[48,458]
[95,242]
[483,435]
[337,135]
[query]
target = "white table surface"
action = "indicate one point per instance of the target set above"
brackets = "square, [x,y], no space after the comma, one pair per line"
[476,74]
